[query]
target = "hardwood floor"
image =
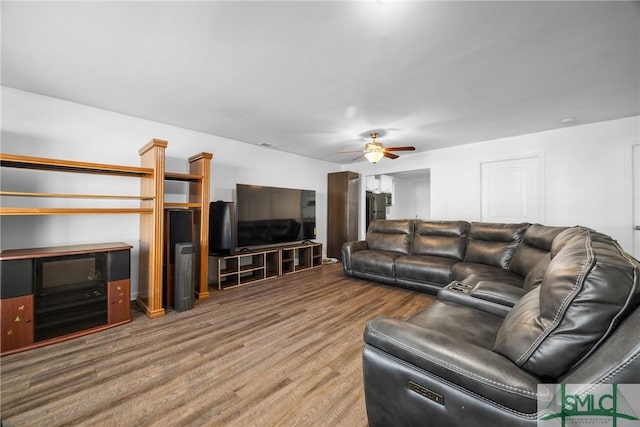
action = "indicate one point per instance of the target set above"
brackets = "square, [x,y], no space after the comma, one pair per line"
[281,352]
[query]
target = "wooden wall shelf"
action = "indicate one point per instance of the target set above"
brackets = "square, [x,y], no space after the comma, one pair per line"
[71,211]
[72,195]
[172,176]
[182,205]
[59,165]
[151,209]
[43,163]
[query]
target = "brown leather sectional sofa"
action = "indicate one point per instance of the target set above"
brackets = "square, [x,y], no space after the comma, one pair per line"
[520,309]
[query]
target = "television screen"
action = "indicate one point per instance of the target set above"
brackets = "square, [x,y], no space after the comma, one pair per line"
[273,215]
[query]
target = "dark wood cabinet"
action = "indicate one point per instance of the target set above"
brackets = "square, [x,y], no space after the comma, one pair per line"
[16,315]
[343,189]
[53,294]
[119,310]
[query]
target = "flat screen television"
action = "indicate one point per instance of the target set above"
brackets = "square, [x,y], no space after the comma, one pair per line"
[274,215]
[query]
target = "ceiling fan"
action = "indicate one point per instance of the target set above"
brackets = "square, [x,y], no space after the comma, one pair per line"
[374,150]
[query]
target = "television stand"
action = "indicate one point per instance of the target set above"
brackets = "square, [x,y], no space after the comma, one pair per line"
[252,266]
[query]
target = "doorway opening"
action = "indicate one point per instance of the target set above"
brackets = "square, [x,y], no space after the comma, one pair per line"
[409,198]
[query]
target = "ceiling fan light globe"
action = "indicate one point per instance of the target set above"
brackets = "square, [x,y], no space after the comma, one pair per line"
[374,156]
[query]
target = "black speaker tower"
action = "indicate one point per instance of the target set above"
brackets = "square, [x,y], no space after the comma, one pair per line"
[222,228]
[178,224]
[184,282]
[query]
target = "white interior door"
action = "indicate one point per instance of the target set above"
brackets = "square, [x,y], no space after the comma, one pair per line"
[636,200]
[513,190]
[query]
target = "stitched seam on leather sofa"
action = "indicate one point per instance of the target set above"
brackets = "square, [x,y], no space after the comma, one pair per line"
[458,369]
[563,306]
[621,367]
[610,329]
[529,416]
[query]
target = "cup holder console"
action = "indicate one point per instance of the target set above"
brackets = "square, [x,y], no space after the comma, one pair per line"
[464,288]
[467,294]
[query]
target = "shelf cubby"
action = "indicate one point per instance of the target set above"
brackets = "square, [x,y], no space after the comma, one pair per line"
[316,256]
[249,276]
[229,280]
[272,264]
[288,261]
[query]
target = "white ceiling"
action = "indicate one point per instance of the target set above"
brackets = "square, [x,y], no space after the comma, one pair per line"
[311,77]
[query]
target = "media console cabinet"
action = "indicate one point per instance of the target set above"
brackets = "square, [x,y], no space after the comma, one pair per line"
[252,266]
[54,294]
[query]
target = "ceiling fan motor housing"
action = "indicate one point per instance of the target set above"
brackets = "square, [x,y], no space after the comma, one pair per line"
[374,146]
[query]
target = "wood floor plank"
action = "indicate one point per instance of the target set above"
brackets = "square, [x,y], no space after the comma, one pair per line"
[286,351]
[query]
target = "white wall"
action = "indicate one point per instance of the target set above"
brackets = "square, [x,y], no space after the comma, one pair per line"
[423,199]
[404,200]
[587,175]
[411,197]
[48,127]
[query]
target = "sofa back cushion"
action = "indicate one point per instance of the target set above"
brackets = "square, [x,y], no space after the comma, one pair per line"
[390,235]
[493,244]
[440,238]
[587,289]
[534,277]
[536,243]
[565,236]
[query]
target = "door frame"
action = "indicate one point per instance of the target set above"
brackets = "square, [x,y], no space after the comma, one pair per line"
[633,192]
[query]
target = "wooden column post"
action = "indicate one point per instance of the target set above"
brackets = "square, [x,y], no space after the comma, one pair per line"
[200,164]
[152,229]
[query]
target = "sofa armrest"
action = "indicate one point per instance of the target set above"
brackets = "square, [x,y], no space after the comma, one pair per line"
[497,292]
[493,297]
[471,367]
[348,249]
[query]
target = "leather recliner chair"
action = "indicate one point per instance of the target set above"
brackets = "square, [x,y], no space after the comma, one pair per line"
[454,364]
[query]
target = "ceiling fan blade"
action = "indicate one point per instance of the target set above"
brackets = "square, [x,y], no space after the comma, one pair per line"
[360,156]
[391,155]
[408,148]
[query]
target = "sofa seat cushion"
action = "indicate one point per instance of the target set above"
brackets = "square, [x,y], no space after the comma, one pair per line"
[589,286]
[375,261]
[458,351]
[472,273]
[426,268]
[438,314]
